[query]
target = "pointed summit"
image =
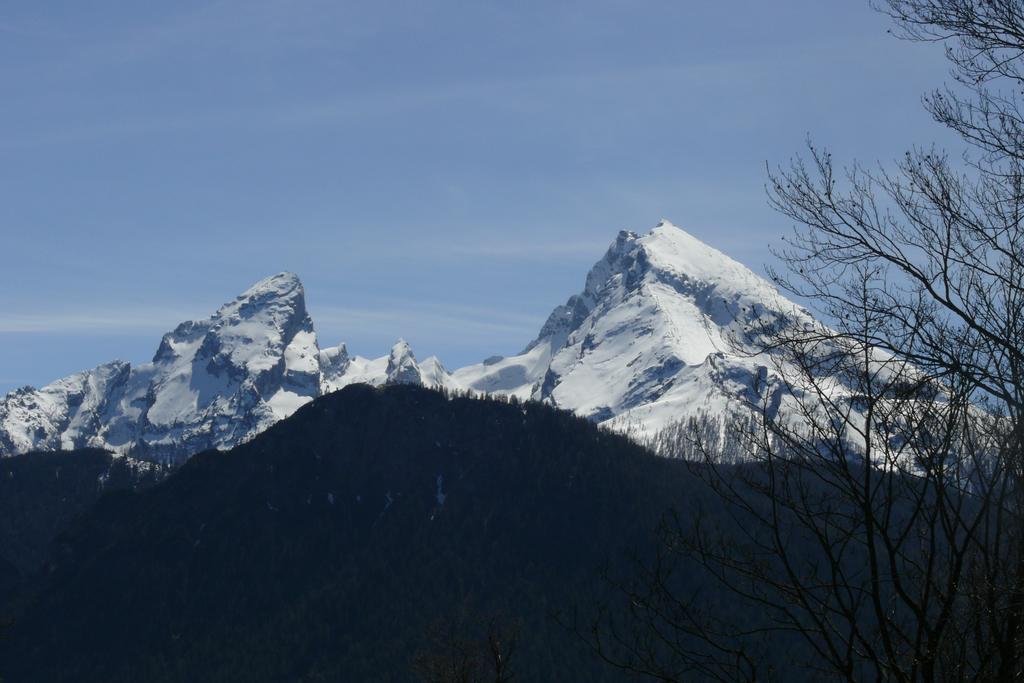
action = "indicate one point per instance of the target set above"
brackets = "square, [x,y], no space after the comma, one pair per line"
[256,358]
[334,363]
[677,252]
[402,367]
[253,330]
[282,282]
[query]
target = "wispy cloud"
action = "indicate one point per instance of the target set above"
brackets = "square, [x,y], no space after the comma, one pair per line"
[10,29]
[530,251]
[157,320]
[395,318]
[529,93]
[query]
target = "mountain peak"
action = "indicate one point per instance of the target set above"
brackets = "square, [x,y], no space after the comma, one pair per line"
[402,367]
[401,347]
[679,254]
[253,330]
[211,384]
[284,289]
[669,235]
[285,280]
[653,310]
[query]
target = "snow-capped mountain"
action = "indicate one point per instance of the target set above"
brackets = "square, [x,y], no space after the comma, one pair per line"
[650,340]
[655,336]
[211,384]
[339,369]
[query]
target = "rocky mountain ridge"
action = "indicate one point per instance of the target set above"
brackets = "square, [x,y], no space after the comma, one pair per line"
[651,340]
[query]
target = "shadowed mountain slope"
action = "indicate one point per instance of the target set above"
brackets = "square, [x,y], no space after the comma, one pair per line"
[325,548]
[42,493]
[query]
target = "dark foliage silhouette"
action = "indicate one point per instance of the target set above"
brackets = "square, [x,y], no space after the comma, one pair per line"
[327,547]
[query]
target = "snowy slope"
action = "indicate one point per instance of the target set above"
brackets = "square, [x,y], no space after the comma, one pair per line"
[511,376]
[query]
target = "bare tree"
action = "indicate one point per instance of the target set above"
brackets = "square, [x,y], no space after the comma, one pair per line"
[879,521]
[449,657]
[502,641]
[464,649]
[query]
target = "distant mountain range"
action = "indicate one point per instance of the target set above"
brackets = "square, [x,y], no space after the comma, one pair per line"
[655,337]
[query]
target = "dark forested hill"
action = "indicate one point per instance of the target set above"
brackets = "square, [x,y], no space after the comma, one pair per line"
[41,493]
[330,546]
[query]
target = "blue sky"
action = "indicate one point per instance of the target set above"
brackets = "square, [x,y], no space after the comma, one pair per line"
[444,171]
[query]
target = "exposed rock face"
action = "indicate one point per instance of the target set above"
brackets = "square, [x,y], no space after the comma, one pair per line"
[212,384]
[402,367]
[334,363]
[62,415]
